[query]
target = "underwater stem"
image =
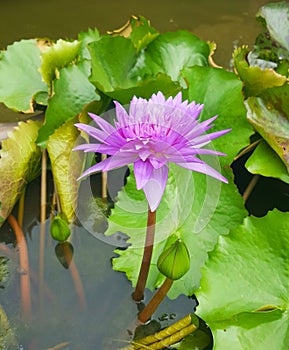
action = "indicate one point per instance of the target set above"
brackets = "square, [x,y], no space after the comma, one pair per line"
[24,267]
[43,186]
[155,301]
[146,260]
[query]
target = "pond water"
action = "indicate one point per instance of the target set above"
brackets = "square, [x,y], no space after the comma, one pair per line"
[89,306]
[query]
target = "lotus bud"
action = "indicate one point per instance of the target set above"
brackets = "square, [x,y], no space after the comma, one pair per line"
[59,229]
[174,262]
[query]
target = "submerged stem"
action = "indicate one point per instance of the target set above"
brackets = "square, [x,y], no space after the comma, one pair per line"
[43,186]
[24,267]
[155,301]
[146,260]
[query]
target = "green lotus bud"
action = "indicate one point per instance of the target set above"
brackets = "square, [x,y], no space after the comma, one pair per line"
[174,262]
[59,229]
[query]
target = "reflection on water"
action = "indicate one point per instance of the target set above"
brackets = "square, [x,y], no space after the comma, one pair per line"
[78,301]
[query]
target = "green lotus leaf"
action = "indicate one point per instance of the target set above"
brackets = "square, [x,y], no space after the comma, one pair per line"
[85,38]
[120,71]
[221,93]
[112,60]
[66,166]
[19,163]
[146,88]
[20,79]
[245,286]
[72,91]
[255,79]
[271,124]
[142,33]
[264,161]
[170,52]
[57,56]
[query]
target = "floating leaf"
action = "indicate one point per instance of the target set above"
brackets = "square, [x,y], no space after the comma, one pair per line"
[120,71]
[271,125]
[66,166]
[221,93]
[57,56]
[112,60]
[20,79]
[19,163]
[245,285]
[170,52]
[255,79]
[146,88]
[85,38]
[141,32]
[72,91]
[264,161]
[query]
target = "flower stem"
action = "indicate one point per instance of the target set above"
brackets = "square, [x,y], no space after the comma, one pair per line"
[146,260]
[155,301]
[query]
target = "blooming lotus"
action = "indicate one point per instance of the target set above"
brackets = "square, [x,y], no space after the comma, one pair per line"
[150,135]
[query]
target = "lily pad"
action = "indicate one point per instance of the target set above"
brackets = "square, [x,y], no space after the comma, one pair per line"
[221,93]
[170,52]
[244,288]
[264,161]
[112,60]
[56,57]
[72,91]
[120,70]
[19,163]
[20,79]
[142,33]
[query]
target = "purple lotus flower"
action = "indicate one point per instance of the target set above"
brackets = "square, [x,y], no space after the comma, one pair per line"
[152,134]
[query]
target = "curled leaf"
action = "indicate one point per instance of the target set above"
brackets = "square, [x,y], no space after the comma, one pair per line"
[19,163]
[255,79]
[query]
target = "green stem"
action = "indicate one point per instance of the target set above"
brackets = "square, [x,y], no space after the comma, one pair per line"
[155,301]
[147,255]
